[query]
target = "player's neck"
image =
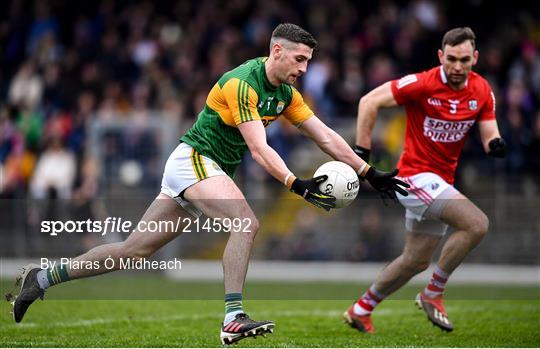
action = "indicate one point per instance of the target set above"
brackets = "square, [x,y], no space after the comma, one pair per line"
[457,87]
[269,69]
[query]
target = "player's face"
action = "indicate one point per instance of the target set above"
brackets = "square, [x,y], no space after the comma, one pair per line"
[292,62]
[457,62]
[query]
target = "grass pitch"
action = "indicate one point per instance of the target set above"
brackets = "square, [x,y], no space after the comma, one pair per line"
[154,312]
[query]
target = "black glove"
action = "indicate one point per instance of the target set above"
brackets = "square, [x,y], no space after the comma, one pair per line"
[309,190]
[362,152]
[386,183]
[497,148]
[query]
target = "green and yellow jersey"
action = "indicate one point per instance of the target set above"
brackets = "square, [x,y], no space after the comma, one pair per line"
[242,94]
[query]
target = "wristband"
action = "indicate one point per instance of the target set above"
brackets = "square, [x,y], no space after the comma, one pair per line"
[288,178]
[362,169]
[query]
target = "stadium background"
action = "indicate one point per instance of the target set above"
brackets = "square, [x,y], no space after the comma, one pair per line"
[95,94]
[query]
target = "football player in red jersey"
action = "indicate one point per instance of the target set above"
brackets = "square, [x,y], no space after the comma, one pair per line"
[441,104]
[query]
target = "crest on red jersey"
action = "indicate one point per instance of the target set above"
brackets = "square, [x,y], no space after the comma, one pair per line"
[473,104]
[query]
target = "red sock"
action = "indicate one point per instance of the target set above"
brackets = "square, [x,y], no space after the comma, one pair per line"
[437,283]
[368,301]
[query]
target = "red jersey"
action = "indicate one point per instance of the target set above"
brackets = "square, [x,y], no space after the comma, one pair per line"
[438,120]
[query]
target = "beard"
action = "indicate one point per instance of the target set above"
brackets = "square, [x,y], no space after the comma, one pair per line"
[457,80]
[291,79]
[287,79]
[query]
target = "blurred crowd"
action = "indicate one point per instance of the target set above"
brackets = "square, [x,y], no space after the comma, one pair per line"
[64,64]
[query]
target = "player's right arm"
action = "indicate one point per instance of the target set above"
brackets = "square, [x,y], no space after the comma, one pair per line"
[255,136]
[368,108]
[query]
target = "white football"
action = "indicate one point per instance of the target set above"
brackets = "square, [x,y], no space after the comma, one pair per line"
[342,182]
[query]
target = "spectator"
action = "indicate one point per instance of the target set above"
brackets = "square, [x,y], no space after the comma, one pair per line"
[55,171]
[26,88]
[115,58]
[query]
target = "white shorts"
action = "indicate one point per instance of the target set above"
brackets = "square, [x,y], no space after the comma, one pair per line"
[184,168]
[428,195]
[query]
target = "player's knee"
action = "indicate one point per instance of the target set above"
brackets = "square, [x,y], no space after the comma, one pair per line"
[255,225]
[249,228]
[479,227]
[253,228]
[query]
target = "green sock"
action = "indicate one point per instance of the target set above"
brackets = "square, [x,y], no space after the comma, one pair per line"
[57,274]
[233,305]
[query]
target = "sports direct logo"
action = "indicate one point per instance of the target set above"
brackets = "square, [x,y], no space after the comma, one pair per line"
[446,131]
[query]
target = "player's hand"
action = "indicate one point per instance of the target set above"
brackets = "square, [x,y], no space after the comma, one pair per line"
[497,148]
[362,152]
[309,190]
[386,183]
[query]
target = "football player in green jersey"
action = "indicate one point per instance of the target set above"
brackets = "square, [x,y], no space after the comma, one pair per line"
[198,175]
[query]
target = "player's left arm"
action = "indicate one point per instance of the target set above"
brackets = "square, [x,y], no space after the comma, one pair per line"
[494,144]
[300,115]
[332,143]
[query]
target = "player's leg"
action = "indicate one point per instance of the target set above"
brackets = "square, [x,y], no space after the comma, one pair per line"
[424,231]
[471,226]
[415,258]
[220,198]
[179,173]
[139,244]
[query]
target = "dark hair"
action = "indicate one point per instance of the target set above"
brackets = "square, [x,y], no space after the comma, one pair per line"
[294,33]
[457,36]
